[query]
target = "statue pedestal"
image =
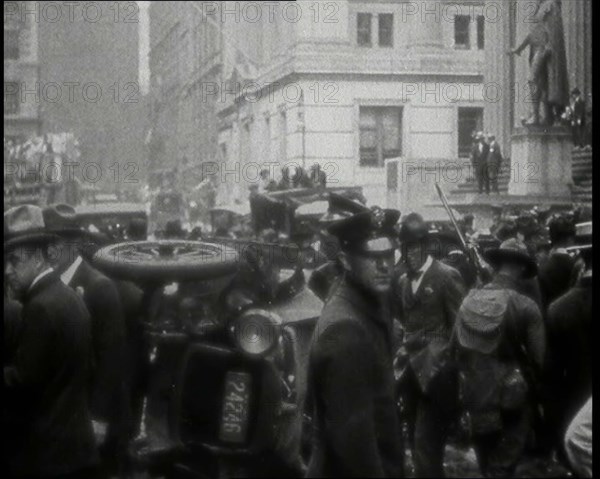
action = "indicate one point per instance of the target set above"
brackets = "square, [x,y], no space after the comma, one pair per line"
[541,162]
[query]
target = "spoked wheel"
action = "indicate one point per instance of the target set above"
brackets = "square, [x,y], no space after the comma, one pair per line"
[168,260]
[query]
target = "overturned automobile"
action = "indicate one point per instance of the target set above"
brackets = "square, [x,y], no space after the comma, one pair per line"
[226,333]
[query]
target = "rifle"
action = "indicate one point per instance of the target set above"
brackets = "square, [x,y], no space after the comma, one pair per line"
[483,272]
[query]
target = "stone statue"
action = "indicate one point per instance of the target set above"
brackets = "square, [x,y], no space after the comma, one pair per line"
[548,79]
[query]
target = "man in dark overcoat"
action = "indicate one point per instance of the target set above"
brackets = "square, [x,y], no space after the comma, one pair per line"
[479,154]
[47,384]
[568,378]
[110,406]
[351,381]
[428,297]
[557,271]
[494,162]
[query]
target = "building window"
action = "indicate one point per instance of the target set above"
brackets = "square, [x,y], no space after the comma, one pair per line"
[363,24]
[386,30]
[11,44]
[480,32]
[380,135]
[470,120]
[11,98]
[461,31]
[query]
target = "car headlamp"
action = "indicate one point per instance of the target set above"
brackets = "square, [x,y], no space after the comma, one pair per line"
[256,331]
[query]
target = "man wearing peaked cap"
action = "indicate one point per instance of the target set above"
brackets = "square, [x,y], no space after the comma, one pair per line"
[426,299]
[47,384]
[351,378]
[101,296]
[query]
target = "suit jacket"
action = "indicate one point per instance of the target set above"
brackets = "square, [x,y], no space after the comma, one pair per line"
[578,107]
[428,319]
[50,381]
[555,276]
[351,384]
[494,156]
[12,328]
[477,157]
[102,300]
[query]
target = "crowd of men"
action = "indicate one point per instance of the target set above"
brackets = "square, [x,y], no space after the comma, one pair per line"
[508,357]
[506,354]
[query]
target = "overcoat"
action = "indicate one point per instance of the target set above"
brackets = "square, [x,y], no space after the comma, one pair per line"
[49,384]
[351,384]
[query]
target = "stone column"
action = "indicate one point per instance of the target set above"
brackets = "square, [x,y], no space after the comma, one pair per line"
[426,24]
[577,21]
[499,72]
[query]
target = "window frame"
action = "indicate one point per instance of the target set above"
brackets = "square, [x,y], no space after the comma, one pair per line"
[391,30]
[358,29]
[16,97]
[467,45]
[15,48]
[480,32]
[380,152]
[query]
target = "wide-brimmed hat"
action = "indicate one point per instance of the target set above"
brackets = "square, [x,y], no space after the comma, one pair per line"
[24,224]
[512,250]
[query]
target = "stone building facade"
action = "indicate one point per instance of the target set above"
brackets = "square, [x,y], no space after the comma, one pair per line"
[21,67]
[346,84]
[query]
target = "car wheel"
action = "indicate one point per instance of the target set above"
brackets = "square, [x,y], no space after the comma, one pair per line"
[168,260]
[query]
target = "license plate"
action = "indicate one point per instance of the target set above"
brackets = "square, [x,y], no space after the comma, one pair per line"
[236,401]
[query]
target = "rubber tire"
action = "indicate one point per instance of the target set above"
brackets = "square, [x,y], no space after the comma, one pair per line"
[224,262]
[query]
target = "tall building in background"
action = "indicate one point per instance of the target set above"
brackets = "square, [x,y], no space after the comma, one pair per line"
[88,84]
[21,67]
[185,65]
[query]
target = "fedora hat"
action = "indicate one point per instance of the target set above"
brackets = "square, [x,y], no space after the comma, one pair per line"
[61,220]
[24,224]
[512,250]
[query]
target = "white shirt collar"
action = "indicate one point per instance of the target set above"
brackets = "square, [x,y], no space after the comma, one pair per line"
[46,272]
[426,265]
[423,269]
[68,274]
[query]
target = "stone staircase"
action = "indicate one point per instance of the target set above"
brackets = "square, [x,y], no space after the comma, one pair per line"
[582,175]
[582,178]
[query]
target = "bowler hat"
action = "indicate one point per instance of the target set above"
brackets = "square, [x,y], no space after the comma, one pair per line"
[413,229]
[575,91]
[24,224]
[512,250]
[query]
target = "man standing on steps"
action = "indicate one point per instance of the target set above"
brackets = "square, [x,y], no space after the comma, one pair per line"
[494,162]
[479,155]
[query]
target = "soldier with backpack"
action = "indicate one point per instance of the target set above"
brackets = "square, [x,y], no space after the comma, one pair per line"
[500,349]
